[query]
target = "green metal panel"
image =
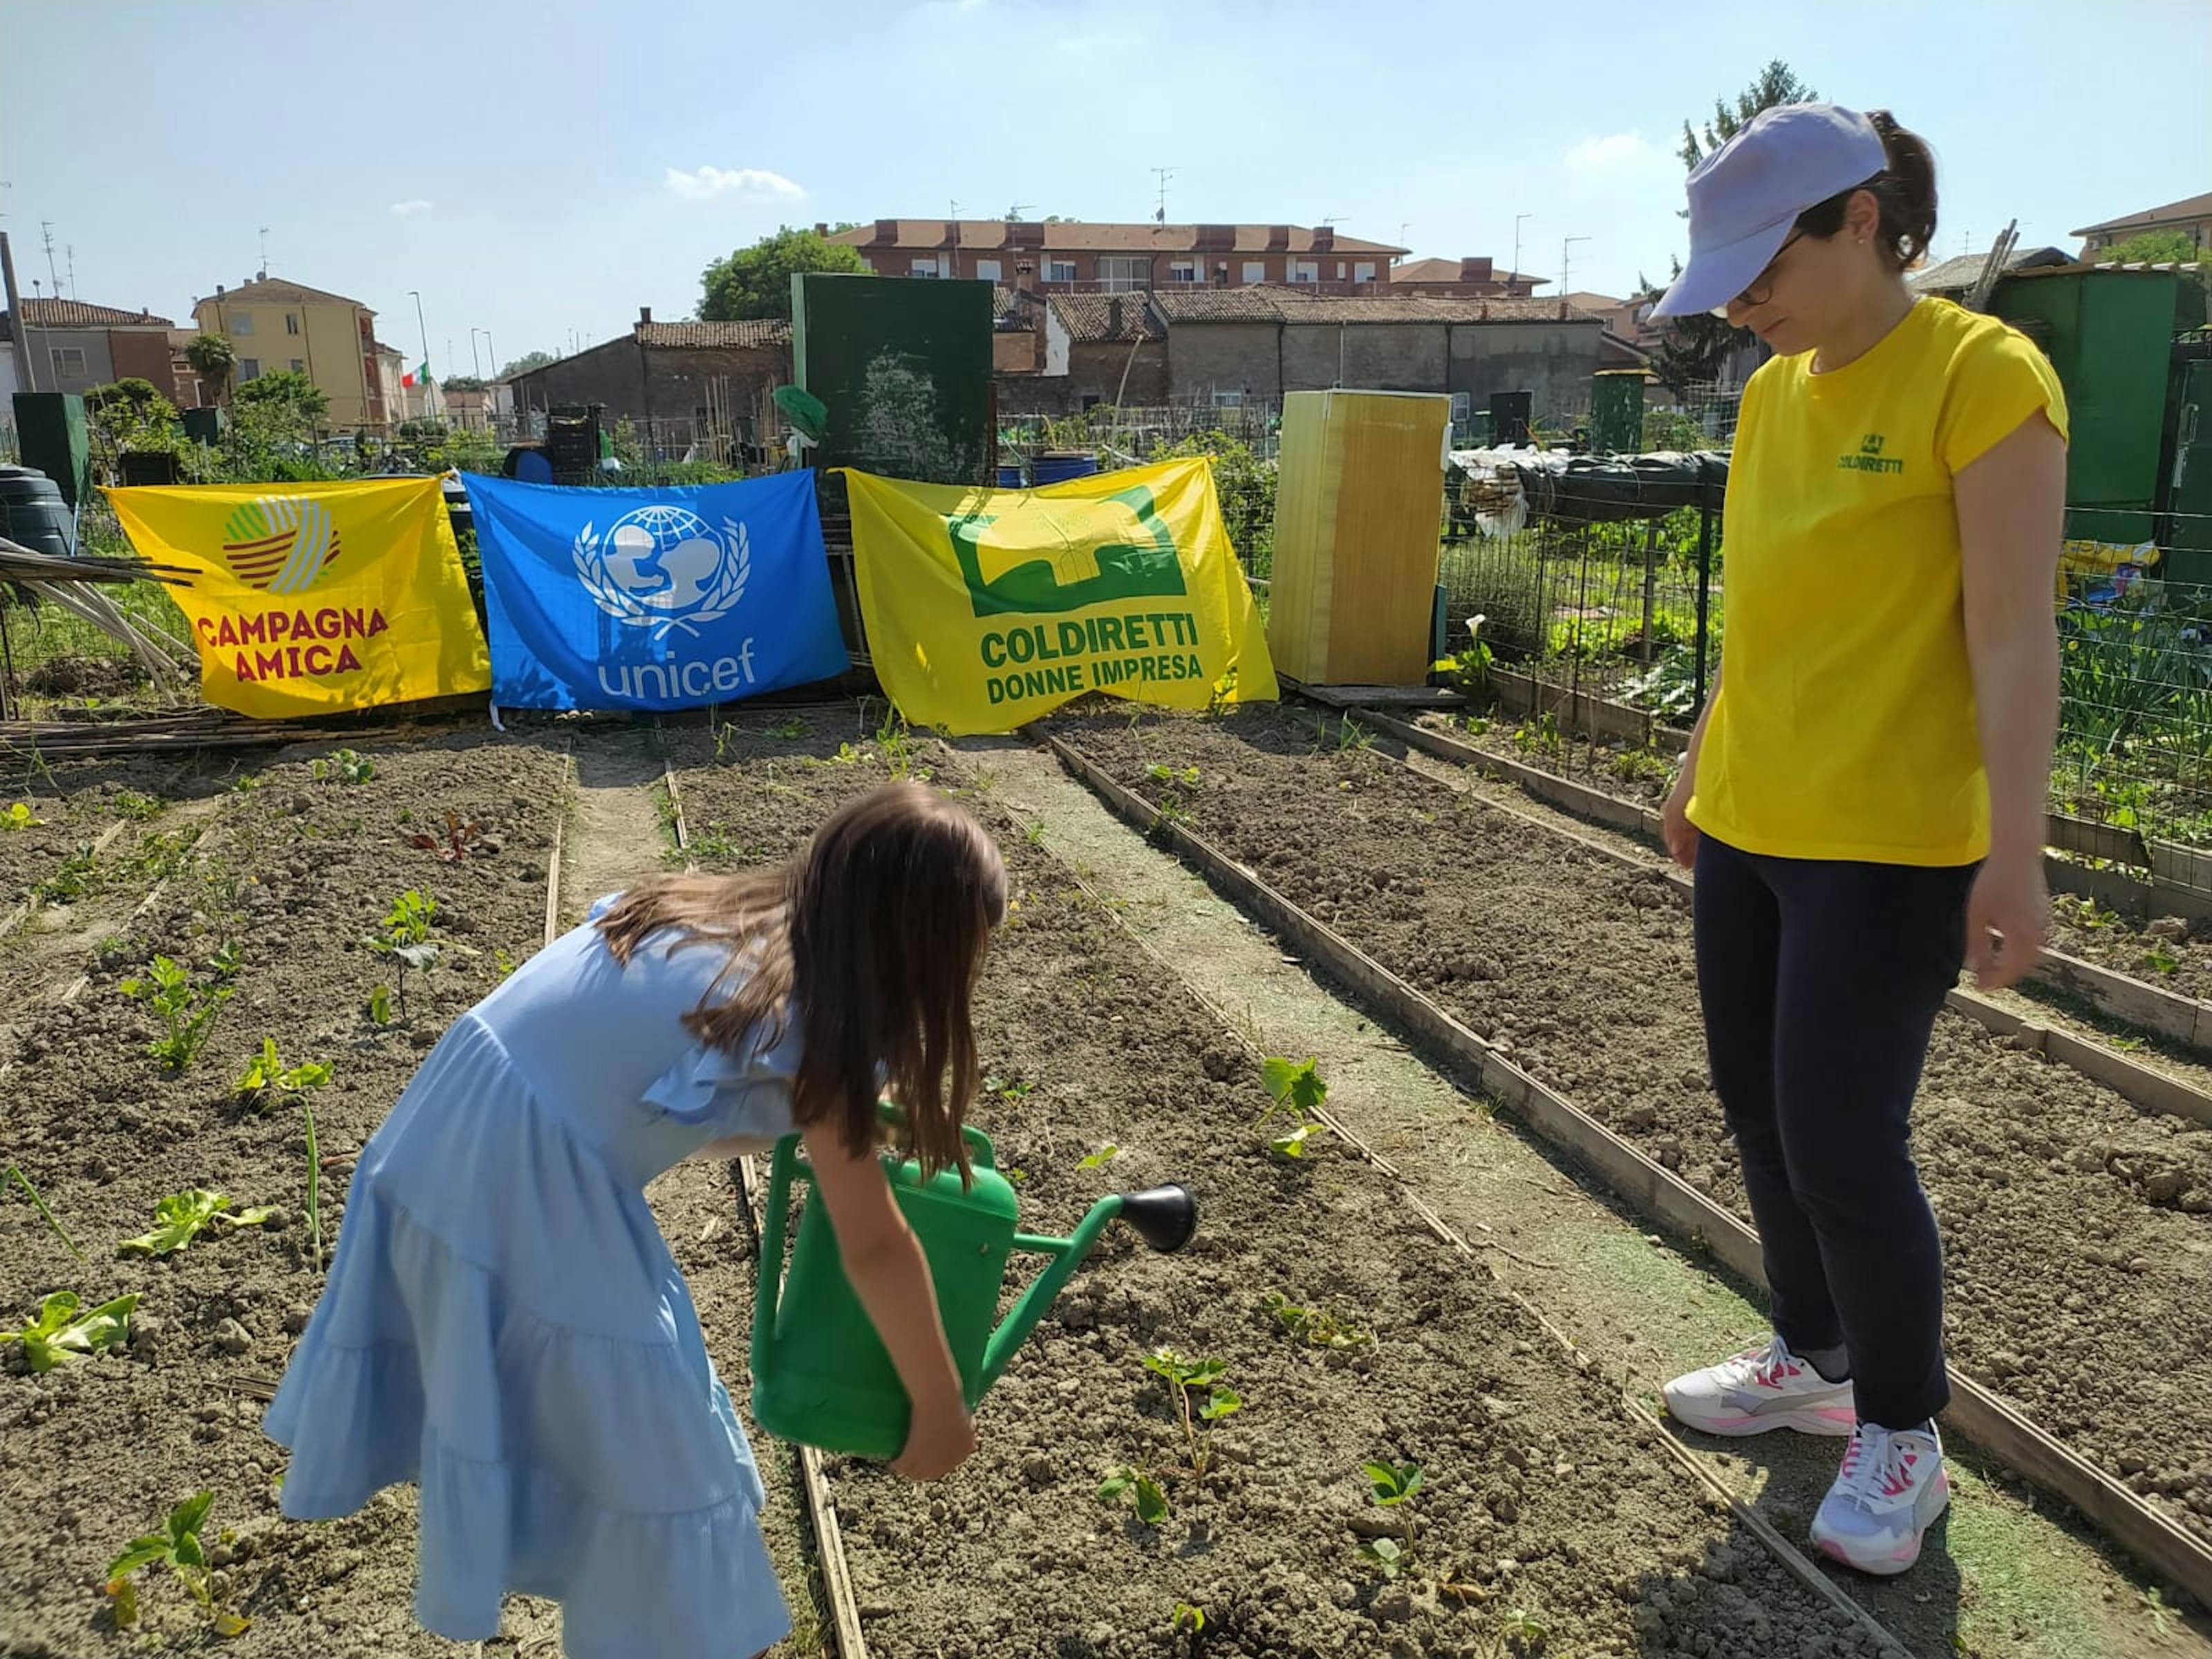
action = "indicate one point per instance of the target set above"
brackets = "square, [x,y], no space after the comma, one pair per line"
[2189,536]
[1617,411]
[2109,334]
[51,427]
[904,367]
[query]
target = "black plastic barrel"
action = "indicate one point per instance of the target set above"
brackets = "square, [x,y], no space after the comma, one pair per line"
[34,513]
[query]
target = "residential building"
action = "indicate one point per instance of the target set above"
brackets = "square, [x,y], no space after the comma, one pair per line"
[1077,255]
[683,385]
[274,324]
[1461,278]
[1087,348]
[388,365]
[74,345]
[2191,216]
[468,406]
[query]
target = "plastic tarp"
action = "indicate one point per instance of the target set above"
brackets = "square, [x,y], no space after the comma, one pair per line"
[1500,490]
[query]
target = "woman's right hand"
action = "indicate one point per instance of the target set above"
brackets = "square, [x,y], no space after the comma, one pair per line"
[1674,826]
[938,1442]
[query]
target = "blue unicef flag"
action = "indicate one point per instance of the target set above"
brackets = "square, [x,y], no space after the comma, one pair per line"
[654,598]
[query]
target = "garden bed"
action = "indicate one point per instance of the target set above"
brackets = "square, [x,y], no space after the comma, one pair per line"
[1541,1497]
[292,873]
[2076,1223]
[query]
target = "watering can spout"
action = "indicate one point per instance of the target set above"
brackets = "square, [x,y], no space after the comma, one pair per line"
[1165,1217]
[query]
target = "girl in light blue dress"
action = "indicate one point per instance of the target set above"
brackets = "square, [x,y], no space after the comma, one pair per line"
[503,1322]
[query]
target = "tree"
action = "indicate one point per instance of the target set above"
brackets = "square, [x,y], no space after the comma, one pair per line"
[213,359]
[1695,348]
[286,394]
[464,383]
[2148,247]
[524,363]
[756,281]
[131,414]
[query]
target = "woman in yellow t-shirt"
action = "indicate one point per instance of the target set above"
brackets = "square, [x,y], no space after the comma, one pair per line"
[1863,797]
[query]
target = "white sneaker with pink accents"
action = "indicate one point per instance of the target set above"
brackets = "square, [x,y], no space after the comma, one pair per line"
[1889,1491]
[1762,1389]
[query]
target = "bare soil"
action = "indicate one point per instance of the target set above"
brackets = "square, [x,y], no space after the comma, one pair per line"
[1541,1498]
[2076,1223]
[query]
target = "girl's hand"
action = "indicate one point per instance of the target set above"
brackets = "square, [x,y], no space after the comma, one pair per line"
[938,1442]
[2008,915]
[1674,826]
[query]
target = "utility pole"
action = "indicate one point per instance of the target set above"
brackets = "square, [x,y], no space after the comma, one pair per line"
[491,352]
[1163,175]
[475,367]
[1511,274]
[22,346]
[1565,243]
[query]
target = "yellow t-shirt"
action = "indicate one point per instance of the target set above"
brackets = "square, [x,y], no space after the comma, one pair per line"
[1845,725]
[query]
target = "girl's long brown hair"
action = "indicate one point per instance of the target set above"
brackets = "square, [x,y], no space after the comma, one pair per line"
[875,936]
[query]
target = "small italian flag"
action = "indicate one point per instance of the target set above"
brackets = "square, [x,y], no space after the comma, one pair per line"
[420,377]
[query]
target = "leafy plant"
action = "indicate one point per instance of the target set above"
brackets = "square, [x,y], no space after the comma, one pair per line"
[1392,1485]
[1320,1328]
[452,847]
[1522,1632]
[16,1175]
[1177,787]
[406,938]
[1469,668]
[19,817]
[503,960]
[1197,1377]
[1135,1483]
[380,1005]
[1101,1158]
[226,960]
[1165,774]
[182,1216]
[1298,1090]
[1011,1090]
[177,1546]
[789,729]
[77,875]
[1540,739]
[2161,958]
[1386,1555]
[267,1072]
[345,765]
[1189,1616]
[60,1332]
[897,744]
[188,1011]
[1352,737]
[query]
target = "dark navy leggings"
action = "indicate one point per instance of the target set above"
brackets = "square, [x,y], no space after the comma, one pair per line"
[1822,981]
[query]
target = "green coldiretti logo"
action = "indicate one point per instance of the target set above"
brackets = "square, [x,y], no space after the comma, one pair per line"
[1054,554]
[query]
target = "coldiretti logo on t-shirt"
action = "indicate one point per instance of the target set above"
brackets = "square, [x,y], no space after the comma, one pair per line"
[1869,458]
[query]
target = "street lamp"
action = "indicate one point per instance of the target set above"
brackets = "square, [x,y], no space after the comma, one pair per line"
[473,363]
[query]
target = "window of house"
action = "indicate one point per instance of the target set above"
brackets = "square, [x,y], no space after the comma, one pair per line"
[291,322]
[1060,270]
[298,367]
[69,363]
[1125,273]
[1183,271]
[923,267]
[1339,270]
[249,369]
[241,322]
[986,271]
[1364,271]
[1305,271]
[1256,270]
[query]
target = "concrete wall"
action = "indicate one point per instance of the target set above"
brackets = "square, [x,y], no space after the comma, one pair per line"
[673,396]
[99,366]
[1379,357]
[1204,358]
[144,352]
[1554,360]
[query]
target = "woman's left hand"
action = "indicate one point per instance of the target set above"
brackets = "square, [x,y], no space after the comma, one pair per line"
[2008,915]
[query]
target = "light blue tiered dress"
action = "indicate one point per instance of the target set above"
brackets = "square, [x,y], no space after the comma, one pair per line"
[504,1321]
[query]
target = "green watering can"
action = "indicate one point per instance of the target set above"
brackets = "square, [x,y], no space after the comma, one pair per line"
[821,1377]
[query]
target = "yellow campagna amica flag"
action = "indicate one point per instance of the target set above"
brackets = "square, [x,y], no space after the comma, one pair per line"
[985,607]
[308,598]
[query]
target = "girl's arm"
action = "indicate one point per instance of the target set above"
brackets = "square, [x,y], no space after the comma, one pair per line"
[883,1262]
[1674,826]
[2012,504]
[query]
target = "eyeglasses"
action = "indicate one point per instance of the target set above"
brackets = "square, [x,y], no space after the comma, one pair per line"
[1760,289]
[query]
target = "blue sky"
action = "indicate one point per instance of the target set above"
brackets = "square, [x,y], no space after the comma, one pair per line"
[544,168]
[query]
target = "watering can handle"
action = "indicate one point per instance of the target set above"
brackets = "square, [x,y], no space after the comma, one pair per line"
[980,1150]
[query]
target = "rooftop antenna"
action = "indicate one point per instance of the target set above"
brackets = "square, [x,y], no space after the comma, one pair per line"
[263,266]
[1014,213]
[47,229]
[1163,175]
[70,250]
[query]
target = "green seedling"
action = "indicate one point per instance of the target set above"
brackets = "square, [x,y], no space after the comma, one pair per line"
[452,847]
[78,875]
[1011,1090]
[16,1175]
[2161,958]
[19,817]
[503,960]
[1292,1142]
[380,1005]
[1298,1090]
[794,727]
[1392,1487]
[1202,1377]
[1101,1158]
[1352,737]
[2161,1616]
[1189,1616]
[188,1011]
[847,755]
[61,1333]
[1385,1555]
[1318,1327]
[246,783]
[268,1075]
[1132,1482]
[177,1546]
[350,768]
[132,804]
[182,1216]
[1161,773]
[226,961]
[1539,740]
[1521,1632]
[1222,696]
[897,744]
[406,938]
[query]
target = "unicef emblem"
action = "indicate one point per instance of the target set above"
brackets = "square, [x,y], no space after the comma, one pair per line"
[664,567]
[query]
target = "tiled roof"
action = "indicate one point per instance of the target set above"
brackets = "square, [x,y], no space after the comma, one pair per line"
[277,289]
[1099,319]
[1278,304]
[752,334]
[1077,236]
[2190,207]
[1955,276]
[1448,270]
[78,313]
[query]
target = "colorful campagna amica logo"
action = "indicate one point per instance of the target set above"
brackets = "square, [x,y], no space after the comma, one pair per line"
[664,567]
[279,544]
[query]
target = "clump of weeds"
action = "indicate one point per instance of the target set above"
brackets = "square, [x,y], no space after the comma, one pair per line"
[1178,789]
[177,1545]
[186,1009]
[1319,1327]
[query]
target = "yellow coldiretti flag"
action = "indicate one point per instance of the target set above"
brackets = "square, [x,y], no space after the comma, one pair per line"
[985,607]
[306,597]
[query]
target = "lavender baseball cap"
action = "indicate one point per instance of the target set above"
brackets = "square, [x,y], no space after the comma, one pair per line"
[1746,194]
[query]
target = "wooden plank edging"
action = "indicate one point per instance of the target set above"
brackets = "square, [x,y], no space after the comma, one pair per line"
[1975,1411]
